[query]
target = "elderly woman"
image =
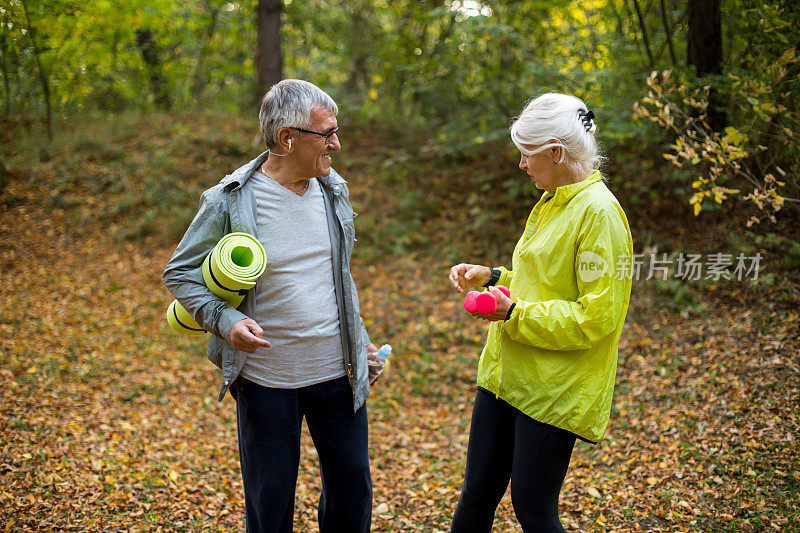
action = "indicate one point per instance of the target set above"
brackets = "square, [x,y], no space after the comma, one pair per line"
[546,374]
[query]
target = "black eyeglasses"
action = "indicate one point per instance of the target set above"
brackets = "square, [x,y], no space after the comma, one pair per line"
[326,135]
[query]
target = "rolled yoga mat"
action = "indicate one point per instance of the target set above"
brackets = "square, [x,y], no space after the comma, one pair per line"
[229,271]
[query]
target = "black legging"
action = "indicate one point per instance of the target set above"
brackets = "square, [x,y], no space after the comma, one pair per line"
[505,444]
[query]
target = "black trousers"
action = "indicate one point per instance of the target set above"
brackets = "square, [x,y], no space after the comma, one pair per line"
[269,423]
[505,444]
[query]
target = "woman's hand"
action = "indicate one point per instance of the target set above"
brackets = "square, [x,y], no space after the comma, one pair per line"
[464,276]
[503,305]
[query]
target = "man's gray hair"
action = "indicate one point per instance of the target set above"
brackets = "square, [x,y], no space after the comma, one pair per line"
[288,104]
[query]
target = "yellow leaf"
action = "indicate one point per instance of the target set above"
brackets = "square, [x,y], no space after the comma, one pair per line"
[9,524]
[173,475]
[373,94]
[697,209]
[593,492]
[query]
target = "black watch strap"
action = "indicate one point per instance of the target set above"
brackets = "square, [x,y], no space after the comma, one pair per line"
[496,273]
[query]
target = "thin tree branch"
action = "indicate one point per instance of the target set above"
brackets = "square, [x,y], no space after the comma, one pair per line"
[643,27]
[668,31]
[42,73]
[197,81]
[4,65]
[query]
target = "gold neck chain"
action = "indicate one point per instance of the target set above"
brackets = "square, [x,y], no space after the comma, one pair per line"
[298,193]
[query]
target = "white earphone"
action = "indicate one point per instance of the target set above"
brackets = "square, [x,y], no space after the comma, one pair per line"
[281,155]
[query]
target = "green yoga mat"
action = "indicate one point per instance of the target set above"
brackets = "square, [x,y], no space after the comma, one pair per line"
[229,271]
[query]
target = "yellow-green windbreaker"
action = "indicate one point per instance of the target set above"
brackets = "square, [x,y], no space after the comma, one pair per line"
[555,358]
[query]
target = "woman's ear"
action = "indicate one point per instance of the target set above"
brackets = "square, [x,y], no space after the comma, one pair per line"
[556,154]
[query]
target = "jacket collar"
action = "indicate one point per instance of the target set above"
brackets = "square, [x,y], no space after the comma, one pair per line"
[239,177]
[565,193]
[334,182]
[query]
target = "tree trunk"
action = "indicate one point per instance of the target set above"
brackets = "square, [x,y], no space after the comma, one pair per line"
[269,63]
[43,79]
[704,51]
[704,37]
[147,46]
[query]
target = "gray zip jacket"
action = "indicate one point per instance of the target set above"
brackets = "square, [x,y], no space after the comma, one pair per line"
[229,207]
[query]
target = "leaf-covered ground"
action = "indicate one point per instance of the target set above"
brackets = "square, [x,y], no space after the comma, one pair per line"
[109,421]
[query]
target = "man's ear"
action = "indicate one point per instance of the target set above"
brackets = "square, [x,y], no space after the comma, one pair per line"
[285,139]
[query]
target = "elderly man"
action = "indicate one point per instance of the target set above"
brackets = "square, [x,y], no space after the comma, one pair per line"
[296,347]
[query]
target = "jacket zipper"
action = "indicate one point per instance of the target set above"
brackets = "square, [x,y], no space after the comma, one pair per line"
[539,222]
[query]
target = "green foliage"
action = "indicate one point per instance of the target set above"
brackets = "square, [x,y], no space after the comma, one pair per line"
[91,56]
[459,69]
[444,79]
[756,156]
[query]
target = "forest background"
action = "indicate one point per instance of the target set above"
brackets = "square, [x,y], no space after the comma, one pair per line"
[115,116]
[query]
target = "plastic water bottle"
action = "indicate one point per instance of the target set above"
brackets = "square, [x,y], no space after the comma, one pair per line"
[385,351]
[377,362]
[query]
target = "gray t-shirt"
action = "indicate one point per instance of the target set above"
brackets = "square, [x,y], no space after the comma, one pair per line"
[295,297]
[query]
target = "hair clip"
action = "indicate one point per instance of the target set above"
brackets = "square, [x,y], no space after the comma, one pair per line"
[586,117]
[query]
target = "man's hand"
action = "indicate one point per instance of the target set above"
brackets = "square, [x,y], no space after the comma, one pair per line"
[374,364]
[503,305]
[464,276]
[246,336]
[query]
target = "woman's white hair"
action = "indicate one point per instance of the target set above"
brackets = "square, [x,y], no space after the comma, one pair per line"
[561,118]
[288,104]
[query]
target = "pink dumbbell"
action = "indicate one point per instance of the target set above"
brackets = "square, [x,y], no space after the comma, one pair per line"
[483,302]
